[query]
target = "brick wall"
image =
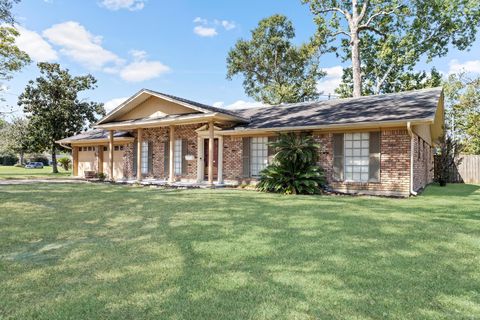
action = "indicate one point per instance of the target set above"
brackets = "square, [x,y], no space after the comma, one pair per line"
[394,165]
[232,158]
[158,137]
[422,164]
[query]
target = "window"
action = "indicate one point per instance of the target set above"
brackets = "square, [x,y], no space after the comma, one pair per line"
[357,156]
[178,157]
[105,148]
[258,155]
[144,158]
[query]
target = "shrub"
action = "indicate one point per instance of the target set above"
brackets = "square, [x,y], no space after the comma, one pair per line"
[447,159]
[65,162]
[39,158]
[102,176]
[294,169]
[8,159]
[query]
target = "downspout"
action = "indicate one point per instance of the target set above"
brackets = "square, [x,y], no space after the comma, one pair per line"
[412,148]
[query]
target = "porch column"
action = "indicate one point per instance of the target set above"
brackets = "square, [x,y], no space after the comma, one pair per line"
[110,153]
[139,153]
[200,161]
[100,158]
[171,158]
[75,161]
[210,153]
[220,160]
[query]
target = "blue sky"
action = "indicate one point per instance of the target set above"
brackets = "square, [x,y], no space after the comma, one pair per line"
[177,47]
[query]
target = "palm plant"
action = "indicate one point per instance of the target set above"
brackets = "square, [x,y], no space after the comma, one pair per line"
[294,169]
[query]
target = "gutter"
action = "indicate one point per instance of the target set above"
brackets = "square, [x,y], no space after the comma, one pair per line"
[412,147]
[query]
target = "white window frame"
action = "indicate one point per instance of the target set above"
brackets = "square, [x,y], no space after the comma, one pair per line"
[144,158]
[177,163]
[258,155]
[356,156]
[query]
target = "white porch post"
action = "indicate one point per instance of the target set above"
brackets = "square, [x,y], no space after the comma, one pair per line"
[210,152]
[200,161]
[110,153]
[220,160]
[139,153]
[171,160]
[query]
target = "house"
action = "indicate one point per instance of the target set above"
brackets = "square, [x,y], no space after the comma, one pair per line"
[380,145]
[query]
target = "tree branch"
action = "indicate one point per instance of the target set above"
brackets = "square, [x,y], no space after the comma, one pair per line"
[373,30]
[340,32]
[375,15]
[332,9]
[364,10]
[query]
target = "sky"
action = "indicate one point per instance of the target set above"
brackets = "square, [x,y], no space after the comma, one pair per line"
[177,47]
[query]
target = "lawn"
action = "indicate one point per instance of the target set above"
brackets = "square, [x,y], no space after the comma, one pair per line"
[11,172]
[94,251]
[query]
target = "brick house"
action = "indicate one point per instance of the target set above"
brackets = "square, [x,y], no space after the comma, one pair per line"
[380,145]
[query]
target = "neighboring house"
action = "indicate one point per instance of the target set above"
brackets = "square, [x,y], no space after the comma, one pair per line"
[381,145]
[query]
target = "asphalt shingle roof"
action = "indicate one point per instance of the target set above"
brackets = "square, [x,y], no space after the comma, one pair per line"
[404,106]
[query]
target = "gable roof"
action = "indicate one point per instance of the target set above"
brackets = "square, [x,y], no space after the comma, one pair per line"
[395,107]
[144,94]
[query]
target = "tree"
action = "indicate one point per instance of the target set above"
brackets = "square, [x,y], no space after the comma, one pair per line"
[15,138]
[12,59]
[275,70]
[398,32]
[462,100]
[447,158]
[294,169]
[397,81]
[54,109]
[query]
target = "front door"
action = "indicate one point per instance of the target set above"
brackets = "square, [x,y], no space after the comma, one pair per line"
[215,158]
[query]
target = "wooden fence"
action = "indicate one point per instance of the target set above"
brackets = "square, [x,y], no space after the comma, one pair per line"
[467,171]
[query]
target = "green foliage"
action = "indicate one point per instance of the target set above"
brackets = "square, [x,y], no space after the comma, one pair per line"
[393,36]
[54,108]
[38,157]
[447,158]
[65,162]
[462,101]
[8,159]
[15,138]
[397,81]
[102,176]
[12,59]
[274,69]
[294,169]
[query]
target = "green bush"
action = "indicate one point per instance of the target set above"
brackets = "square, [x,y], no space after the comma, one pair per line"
[65,162]
[8,159]
[102,176]
[294,169]
[39,158]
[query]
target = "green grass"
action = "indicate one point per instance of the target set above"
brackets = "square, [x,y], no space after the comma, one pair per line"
[11,172]
[95,251]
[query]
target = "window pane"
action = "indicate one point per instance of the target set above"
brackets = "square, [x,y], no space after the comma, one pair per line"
[356,157]
[258,155]
[178,157]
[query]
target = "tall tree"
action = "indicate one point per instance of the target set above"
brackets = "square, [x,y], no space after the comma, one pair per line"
[54,109]
[12,59]
[401,31]
[275,70]
[15,138]
[397,81]
[462,100]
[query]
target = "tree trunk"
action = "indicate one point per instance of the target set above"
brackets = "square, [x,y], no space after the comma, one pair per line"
[21,158]
[356,67]
[54,159]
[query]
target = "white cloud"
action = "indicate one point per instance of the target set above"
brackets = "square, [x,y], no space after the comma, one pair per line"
[205,31]
[37,48]
[228,25]
[142,69]
[456,66]
[113,103]
[205,28]
[331,81]
[239,104]
[131,5]
[80,45]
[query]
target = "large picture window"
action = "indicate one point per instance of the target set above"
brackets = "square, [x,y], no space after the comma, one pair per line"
[357,156]
[144,158]
[258,155]
[178,157]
